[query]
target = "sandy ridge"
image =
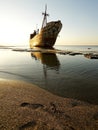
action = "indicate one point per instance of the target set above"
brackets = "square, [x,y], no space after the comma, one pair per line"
[25,106]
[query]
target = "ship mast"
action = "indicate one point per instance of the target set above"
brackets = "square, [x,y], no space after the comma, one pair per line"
[45,17]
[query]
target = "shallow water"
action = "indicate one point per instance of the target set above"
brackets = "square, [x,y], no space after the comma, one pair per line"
[64,75]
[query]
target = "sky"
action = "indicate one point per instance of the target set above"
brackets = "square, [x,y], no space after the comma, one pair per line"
[19,18]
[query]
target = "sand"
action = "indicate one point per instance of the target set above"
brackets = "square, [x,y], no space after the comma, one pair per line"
[25,106]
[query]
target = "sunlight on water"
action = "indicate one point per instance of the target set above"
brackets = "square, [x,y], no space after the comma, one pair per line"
[63,75]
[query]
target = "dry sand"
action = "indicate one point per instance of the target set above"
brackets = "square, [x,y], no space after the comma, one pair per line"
[25,106]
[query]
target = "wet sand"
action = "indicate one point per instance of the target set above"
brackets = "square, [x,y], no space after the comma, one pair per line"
[24,106]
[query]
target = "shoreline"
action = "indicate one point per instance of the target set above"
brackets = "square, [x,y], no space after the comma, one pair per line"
[26,106]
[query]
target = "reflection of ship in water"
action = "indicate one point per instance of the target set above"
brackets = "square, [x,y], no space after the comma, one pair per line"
[49,61]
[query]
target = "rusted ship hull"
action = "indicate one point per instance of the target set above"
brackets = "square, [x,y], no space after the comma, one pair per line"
[47,36]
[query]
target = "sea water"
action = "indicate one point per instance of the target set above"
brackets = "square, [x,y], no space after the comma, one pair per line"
[63,75]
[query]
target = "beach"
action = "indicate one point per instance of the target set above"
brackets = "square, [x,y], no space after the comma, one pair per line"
[49,65]
[24,106]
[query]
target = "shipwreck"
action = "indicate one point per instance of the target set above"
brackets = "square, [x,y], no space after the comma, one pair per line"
[48,33]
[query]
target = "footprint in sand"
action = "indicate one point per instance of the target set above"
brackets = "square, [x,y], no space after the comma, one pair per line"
[31,124]
[51,109]
[33,106]
[54,110]
[36,125]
